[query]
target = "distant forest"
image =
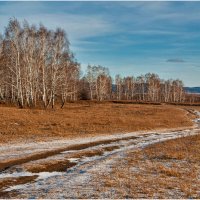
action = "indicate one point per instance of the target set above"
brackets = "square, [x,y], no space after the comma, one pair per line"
[194,90]
[37,67]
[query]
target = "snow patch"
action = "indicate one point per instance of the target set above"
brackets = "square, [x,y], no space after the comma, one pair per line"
[75,160]
[16,174]
[16,187]
[45,175]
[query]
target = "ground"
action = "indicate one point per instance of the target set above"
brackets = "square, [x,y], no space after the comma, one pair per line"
[86,119]
[155,156]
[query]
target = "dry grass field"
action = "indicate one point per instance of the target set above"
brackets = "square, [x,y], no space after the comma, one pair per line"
[85,119]
[164,170]
[133,165]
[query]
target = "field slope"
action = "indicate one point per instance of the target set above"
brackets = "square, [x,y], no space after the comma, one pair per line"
[86,119]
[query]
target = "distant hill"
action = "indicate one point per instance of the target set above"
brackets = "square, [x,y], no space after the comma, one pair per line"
[194,90]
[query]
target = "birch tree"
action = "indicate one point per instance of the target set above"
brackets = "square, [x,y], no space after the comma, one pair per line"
[119,86]
[141,87]
[33,61]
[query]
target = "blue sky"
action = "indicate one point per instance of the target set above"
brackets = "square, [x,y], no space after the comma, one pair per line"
[130,38]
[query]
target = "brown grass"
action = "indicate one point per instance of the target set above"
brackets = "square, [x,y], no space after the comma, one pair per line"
[86,119]
[170,169]
[59,166]
[14,181]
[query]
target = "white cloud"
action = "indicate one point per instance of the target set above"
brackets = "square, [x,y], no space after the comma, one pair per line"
[77,26]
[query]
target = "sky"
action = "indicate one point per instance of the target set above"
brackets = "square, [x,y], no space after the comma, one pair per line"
[130,38]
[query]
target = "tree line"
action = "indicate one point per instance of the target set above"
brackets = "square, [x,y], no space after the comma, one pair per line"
[98,84]
[37,67]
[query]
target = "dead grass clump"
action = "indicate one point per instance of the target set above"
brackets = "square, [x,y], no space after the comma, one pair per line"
[88,153]
[58,166]
[168,171]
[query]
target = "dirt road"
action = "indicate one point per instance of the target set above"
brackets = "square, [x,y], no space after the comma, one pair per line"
[66,168]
